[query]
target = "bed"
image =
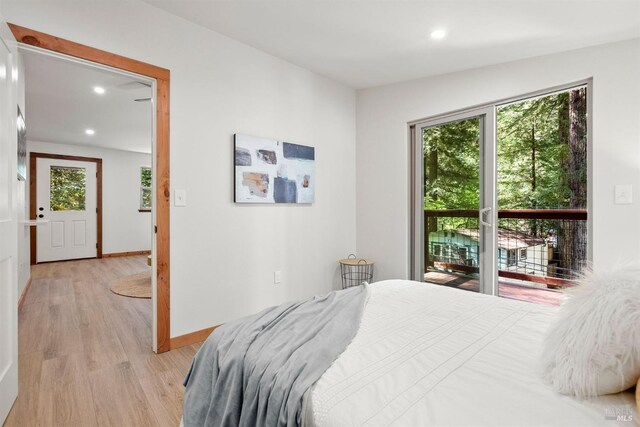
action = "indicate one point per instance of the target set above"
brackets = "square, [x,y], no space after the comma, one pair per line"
[432,355]
[428,355]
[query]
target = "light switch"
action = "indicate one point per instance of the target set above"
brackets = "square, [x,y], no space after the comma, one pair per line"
[180,198]
[623,195]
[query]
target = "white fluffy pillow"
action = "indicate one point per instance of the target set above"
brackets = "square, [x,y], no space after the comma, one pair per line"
[594,346]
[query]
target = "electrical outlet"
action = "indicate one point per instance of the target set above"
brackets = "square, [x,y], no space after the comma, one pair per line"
[277,277]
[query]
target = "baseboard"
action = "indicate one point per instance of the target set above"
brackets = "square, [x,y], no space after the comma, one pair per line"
[117,254]
[24,293]
[191,338]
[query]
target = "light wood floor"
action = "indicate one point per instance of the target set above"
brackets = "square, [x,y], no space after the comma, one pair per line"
[85,353]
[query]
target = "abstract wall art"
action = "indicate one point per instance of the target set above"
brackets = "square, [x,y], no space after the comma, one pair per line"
[270,171]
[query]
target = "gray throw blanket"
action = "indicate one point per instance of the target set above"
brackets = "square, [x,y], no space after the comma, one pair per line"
[254,371]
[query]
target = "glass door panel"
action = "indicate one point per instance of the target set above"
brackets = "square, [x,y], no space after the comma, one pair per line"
[452,199]
[542,195]
[67,188]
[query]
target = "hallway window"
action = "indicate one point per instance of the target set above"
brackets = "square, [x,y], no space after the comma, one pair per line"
[145,188]
[68,188]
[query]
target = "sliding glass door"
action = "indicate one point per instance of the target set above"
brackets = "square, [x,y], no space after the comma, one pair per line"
[502,192]
[457,200]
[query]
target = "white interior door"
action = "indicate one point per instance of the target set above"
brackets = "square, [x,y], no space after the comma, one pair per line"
[67,199]
[8,229]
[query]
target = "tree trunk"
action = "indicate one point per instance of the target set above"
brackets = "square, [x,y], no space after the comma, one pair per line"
[578,149]
[574,245]
[562,254]
[534,223]
[431,174]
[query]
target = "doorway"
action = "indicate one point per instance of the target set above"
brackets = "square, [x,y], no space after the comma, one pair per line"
[160,83]
[69,201]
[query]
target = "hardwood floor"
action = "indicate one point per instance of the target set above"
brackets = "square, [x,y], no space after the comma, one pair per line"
[85,353]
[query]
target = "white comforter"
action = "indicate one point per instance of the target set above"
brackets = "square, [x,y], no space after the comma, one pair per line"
[428,355]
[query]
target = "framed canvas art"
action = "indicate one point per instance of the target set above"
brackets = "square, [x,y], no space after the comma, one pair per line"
[270,171]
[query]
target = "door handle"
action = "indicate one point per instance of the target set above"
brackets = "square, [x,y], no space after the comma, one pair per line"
[40,216]
[482,215]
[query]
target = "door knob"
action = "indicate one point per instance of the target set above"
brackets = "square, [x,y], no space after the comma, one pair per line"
[40,216]
[40,208]
[482,217]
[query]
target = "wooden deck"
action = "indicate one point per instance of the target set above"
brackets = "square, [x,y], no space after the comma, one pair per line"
[529,292]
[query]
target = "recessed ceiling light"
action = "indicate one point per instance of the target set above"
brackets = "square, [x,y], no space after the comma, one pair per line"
[438,34]
[99,90]
[89,131]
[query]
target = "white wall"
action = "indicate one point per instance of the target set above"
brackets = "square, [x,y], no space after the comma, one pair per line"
[223,255]
[124,229]
[382,143]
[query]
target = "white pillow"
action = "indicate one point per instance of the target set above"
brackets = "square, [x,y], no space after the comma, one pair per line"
[594,346]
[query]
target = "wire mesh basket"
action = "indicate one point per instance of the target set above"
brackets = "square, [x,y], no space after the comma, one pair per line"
[355,271]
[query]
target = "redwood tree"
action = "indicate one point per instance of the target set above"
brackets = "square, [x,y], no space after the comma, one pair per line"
[571,244]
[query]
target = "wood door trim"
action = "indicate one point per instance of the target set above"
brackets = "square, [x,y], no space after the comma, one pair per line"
[33,199]
[162,192]
[67,47]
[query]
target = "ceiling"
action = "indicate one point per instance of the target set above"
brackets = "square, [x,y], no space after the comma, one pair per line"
[61,104]
[365,43]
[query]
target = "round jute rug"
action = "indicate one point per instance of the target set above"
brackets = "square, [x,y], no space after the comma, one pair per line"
[135,286]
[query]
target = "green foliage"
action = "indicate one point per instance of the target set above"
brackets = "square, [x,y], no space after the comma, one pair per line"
[452,155]
[532,154]
[451,164]
[67,189]
[145,188]
[146,199]
[541,164]
[145,177]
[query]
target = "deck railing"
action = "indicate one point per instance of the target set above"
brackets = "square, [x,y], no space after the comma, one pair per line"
[547,246]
